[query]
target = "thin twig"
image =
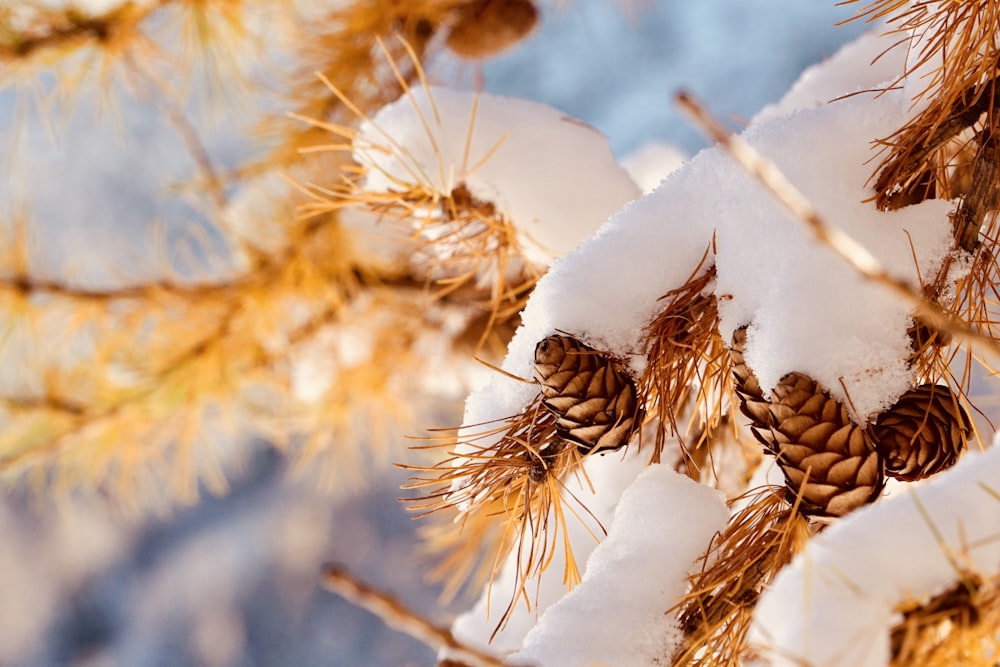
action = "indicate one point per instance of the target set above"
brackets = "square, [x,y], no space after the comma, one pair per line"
[398,616]
[837,240]
[21,285]
[982,196]
[73,27]
[197,150]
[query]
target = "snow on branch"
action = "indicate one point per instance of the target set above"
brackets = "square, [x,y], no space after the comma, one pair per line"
[835,604]
[800,308]
[628,582]
[552,176]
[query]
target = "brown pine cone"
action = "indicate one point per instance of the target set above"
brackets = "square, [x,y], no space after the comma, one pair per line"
[594,402]
[826,458]
[923,433]
[486,28]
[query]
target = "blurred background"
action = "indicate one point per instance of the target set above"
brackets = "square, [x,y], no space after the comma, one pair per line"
[232,578]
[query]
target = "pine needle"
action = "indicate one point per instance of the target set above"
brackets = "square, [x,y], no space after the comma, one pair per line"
[465,247]
[959,626]
[688,361]
[509,494]
[715,615]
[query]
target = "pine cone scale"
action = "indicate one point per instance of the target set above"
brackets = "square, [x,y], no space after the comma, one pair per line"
[758,411]
[614,438]
[795,454]
[578,385]
[796,426]
[818,436]
[845,472]
[817,404]
[589,408]
[819,464]
[849,501]
[584,435]
[559,404]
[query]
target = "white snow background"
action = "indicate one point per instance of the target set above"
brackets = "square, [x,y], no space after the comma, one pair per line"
[215,586]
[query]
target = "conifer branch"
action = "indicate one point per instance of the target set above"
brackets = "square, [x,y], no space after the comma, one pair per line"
[398,616]
[855,254]
[55,29]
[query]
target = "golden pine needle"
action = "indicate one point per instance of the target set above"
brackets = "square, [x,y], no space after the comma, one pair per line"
[163,361]
[509,495]
[688,361]
[955,42]
[46,30]
[344,47]
[949,149]
[960,625]
[715,615]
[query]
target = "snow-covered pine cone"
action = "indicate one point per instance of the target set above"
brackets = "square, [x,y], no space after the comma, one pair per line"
[827,459]
[923,433]
[594,402]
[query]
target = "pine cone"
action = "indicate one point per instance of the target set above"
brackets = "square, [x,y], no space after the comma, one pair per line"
[485,28]
[826,458]
[923,433]
[594,402]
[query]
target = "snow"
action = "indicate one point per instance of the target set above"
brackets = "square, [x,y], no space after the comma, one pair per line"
[855,344]
[557,180]
[862,65]
[808,311]
[663,523]
[553,176]
[653,162]
[833,605]
[610,475]
[770,270]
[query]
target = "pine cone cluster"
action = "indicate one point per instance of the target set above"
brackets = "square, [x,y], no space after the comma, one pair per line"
[828,461]
[593,400]
[923,433]
[835,465]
